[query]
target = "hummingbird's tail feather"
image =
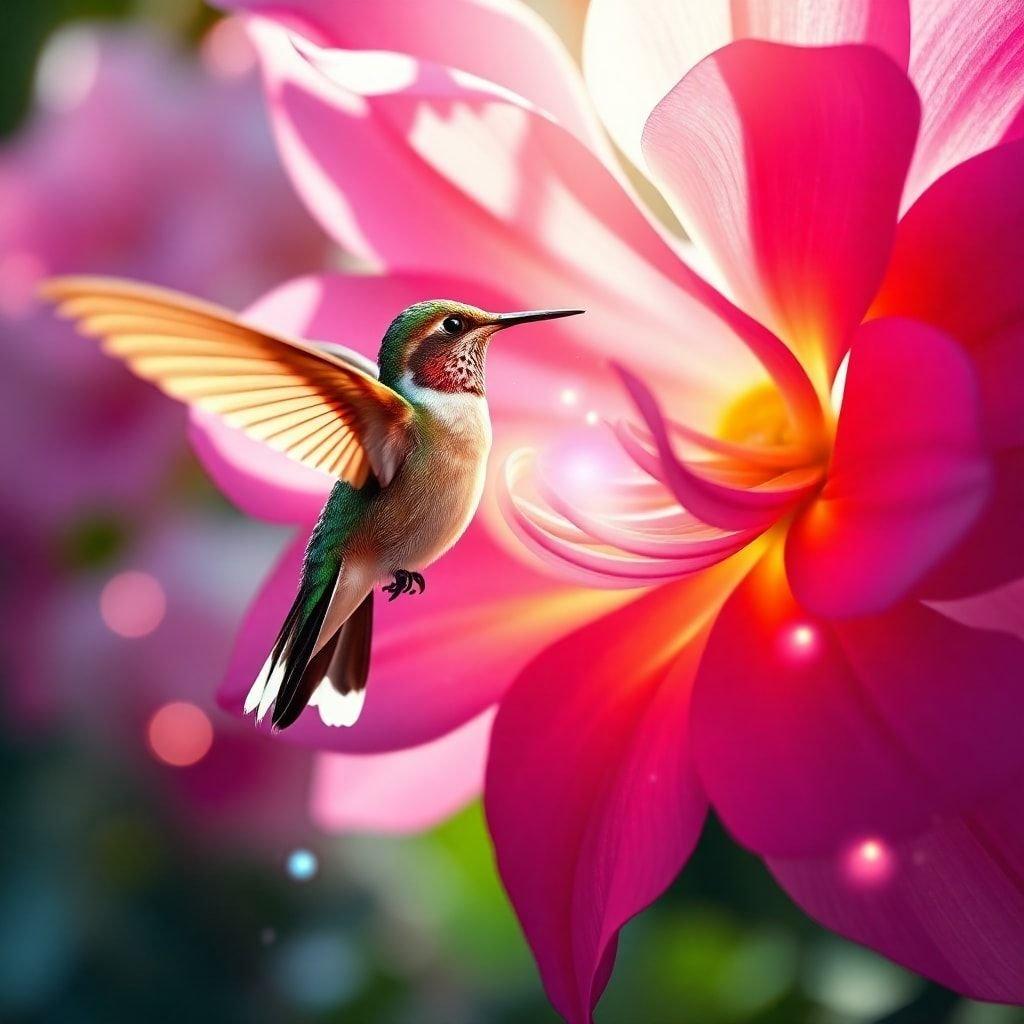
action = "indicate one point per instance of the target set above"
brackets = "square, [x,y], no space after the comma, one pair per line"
[340,679]
[280,678]
[322,654]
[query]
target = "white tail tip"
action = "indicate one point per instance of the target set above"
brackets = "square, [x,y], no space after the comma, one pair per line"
[337,708]
[265,690]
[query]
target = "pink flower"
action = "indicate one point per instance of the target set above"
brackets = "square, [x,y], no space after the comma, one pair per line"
[833,455]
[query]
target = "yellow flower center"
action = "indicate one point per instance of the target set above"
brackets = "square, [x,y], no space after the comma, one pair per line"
[758,417]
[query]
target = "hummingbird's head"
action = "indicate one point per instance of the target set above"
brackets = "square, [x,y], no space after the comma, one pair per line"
[442,344]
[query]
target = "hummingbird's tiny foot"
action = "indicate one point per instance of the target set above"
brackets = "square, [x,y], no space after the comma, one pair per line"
[399,586]
[403,584]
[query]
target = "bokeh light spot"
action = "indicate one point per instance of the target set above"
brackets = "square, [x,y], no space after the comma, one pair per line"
[592,418]
[179,734]
[302,865]
[226,50]
[568,396]
[133,604]
[869,862]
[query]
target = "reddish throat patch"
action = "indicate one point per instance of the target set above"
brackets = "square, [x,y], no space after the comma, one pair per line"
[450,365]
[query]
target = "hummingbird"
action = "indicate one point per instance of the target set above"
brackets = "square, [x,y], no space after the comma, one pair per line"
[406,440]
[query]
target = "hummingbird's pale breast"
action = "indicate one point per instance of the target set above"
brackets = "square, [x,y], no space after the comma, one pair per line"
[433,498]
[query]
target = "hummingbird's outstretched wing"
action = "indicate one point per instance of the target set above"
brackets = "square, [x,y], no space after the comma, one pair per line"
[310,403]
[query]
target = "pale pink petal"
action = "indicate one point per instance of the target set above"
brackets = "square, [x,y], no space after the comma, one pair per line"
[634,53]
[967,62]
[958,257]
[403,792]
[908,477]
[439,659]
[947,901]
[504,41]
[590,795]
[787,164]
[812,734]
[413,165]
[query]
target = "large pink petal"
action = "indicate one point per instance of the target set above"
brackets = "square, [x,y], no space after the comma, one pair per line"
[967,62]
[958,257]
[590,794]
[439,659]
[947,901]
[811,734]
[908,477]
[958,263]
[633,53]
[504,41]
[787,164]
[413,165]
[403,792]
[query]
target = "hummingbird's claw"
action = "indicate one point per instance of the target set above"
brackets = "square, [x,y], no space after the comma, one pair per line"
[403,584]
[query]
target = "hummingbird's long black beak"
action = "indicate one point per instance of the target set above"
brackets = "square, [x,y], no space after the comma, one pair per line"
[504,320]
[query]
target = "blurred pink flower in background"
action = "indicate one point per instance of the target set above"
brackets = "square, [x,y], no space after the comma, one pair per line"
[849,428]
[142,161]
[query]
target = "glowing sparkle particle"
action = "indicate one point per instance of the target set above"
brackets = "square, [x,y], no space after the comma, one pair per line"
[592,418]
[133,604]
[179,734]
[799,641]
[569,396]
[802,636]
[301,865]
[869,862]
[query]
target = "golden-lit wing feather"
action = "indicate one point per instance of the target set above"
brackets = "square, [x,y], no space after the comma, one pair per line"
[309,403]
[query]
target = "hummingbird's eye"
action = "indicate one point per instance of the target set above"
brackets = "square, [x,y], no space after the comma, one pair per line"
[452,325]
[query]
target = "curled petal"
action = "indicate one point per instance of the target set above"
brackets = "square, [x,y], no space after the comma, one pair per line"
[716,504]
